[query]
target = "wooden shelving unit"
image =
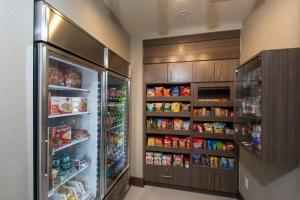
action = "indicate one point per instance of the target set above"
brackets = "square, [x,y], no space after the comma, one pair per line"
[169,150]
[213,119]
[167,132]
[213,136]
[168,114]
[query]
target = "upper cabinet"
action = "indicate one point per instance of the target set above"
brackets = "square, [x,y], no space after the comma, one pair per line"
[180,72]
[224,70]
[203,71]
[156,73]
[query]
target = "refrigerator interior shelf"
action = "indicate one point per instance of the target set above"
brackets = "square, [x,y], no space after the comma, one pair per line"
[73,172]
[67,115]
[73,142]
[55,87]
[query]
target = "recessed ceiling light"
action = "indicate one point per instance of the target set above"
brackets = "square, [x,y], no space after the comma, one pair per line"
[184,13]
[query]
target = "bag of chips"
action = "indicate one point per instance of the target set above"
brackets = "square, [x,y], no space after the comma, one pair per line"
[178,160]
[164,124]
[230,163]
[185,91]
[158,91]
[167,92]
[149,123]
[208,128]
[167,107]
[188,142]
[175,142]
[219,128]
[157,158]
[175,91]
[158,142]
[167,141]
[158,107]
[170,124]
[177,124]
[149,158]
[159,123]
[186,125]
[185,107]
[150,107]
[181,143]
[196,159]
[175,107]
[150,92]
[167,160]
[151,141]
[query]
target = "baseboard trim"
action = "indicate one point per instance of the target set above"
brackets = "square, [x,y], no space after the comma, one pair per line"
[135,181]
[240,196]
[211,192]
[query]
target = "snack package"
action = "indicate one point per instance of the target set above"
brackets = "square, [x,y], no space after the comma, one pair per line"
[154,124]
[175,107]
[60,105]
[185,91]
[149,158]
[158,142]
[150,107]
[188,142]
[175,142]
[178,160]
[167,107]
[199,128]
[158,107]
[157,158]
[175,91]
[187,161]
[158,91]
[151,142]
[177,124]
[224,163]
[73,78]
[80,134]
[213,145]
[203,111]
[186,125]
[181,143]
[219,145]
[167,160]
[185,107]
[208,145]
[79,104]
[167,141]
[78,187]
[150,92]
[167,92]
[159,123]
[149,123]
[170,124]
[55,75]
[196,159]
[230,163]
[208,128]
[219,128]
[229,146]
[61,135]
[164,124]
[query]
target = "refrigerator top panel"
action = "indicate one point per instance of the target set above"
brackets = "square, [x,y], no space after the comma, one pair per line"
[118,64]
[54,28]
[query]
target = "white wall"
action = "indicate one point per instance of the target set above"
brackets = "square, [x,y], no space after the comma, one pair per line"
[16,58]
[273,24]
[94,17]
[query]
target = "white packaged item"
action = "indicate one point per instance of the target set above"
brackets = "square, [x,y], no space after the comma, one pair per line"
[78,187]
[79,104]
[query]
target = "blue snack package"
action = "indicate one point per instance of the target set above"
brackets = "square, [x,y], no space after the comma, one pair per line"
[230,163]
[175,91]
[209,146]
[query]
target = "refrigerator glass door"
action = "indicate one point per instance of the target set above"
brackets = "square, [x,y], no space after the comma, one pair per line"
[72,132]
[116,128]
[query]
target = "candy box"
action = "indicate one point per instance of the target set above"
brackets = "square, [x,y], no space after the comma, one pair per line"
[60,105]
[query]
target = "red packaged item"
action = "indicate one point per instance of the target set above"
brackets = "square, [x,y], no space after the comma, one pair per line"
[187,161]
[73,78]
[158,91]
[167,141]
[164,124]
[158,142]
[185,91]
[188,142]
[167,92]
[55,75]
[61,135]
[175,142]
[199,128]
[181,143]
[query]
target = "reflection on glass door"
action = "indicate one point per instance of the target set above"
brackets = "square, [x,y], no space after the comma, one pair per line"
[74,108]
[116,128]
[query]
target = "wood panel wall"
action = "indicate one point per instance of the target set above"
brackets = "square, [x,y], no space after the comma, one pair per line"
[208,46]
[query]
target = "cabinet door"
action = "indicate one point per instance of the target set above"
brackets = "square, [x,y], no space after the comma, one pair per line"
[203,71]
[181,176]
[202,178]
[180,72]
[225,69]
[156,73]
[225,181]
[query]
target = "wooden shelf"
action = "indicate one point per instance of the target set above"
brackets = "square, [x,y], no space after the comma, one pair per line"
[168,114]
[209,104]
[252,119]
[213,119]
[167,132]
[214,136]
[168,150]
[171,98]
[230,154]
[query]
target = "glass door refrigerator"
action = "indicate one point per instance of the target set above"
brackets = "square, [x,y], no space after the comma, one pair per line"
[116,124]
[69,82]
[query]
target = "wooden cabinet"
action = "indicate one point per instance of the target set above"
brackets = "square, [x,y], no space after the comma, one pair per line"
[202,178]
[180,72]
[156,73]
[224,70]
[203,71]
[225,180]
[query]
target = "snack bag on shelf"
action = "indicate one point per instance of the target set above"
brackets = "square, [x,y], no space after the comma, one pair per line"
[203,112]
[177,124]
[188,142]
[167,107]
[150,92]
[158,142]
[73,78]
[164,124]
[158,107]
[224,163]
[185,91]
[55,76]
[167,160]
[175,107]
[208,145]
[231,162]
[175,91]
[149,158]
[219,145]
[157,158]
[197,143]
[159,123]
[178,160]
[196,159]
[150,107]
[185,107]
[170,124]
[149,123]
[154,124]
[219,128]
[181,143]
[186,125]
[167,92]
[213,145]
[175,142]
[167,141]
[151,141]
[158,91]
[208,127]
[187,161]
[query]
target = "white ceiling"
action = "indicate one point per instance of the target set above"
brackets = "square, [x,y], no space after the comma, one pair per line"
[163,16]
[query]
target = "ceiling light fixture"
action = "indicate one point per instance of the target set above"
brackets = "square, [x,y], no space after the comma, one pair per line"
[184,13]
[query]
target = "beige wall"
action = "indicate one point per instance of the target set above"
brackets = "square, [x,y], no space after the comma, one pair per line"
[272,25]
[94,17]
[16,78]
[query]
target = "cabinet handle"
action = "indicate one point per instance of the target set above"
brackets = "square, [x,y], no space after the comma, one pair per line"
[217,179]
[209,178]
[218,72]
[210,74]
[164,176]
[171,75]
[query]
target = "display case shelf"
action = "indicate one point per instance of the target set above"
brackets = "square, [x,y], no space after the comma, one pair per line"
[213,119]
[230,154]
[170,98]
[73,142]
[68,115]
[214,136]
[168,150]
[168,132]
[63,88]
[168,114]
[211,104]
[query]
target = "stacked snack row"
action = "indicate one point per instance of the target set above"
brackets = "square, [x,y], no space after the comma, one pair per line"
[66,105]
[213,162]
[212,128]
[212,145]
[168,107]
[169,142]
[169,91]
[212,112]
[162,159]
[73,189]
[64,77]
[168,124]
[115,95]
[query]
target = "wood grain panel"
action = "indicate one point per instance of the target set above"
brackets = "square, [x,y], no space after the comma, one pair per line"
[225,69]
[156,73]
[180,72]
[118,64]
[203,71]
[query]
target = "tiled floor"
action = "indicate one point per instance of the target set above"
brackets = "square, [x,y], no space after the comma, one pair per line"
[157,193]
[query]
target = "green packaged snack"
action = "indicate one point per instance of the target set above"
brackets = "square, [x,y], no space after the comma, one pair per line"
[167,107]
[150,107]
